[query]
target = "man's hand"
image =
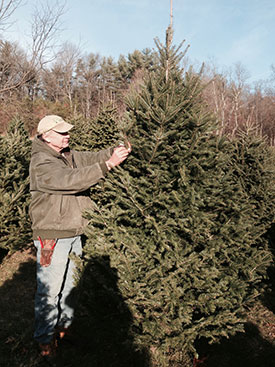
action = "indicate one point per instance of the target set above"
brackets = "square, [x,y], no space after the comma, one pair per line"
[47,248]
[119,155]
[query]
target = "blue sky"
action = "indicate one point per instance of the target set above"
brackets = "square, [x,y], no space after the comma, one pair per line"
[223,32]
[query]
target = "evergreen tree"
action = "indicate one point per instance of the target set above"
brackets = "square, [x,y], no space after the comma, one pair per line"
[111,81]
[137,60]
[101,132]
[253,162]
[105,130]
[176,223]
[15,148]
[80,133]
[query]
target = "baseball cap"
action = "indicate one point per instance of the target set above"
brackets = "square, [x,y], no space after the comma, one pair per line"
[53,122]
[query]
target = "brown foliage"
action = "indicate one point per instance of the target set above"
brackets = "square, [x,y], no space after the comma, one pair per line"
[237,107]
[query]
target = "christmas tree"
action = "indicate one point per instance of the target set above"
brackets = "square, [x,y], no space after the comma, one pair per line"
[174,222]
[253,162]
[98,133]
[15,149]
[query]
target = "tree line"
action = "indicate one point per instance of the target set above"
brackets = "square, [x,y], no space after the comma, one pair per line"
[64,80]
[77,84]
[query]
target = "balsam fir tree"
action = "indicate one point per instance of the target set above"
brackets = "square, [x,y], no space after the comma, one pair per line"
[174,221]
[101,132]
[253,162]
[15,149]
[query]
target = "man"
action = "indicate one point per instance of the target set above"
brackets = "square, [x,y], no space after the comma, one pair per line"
[59,180]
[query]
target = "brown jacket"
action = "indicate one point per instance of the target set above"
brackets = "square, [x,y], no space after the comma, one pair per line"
[58,186]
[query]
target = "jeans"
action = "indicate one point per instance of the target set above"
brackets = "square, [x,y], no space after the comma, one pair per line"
[54,300]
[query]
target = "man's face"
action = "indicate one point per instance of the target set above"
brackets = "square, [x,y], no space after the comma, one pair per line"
[57,141]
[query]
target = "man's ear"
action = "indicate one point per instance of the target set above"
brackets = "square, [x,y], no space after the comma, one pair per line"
[46,137]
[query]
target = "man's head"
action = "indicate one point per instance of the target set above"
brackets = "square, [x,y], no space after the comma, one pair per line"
[54,131]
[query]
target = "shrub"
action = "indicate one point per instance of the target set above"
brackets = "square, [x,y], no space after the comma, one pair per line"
[15,149]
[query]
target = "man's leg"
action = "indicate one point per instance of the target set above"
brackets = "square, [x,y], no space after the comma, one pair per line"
[50,281]
[68,297]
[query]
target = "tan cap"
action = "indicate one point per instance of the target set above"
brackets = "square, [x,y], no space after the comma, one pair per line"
[53,122]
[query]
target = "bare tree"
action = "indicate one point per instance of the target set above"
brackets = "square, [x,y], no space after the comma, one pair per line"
[59,80]
[46,25]
[13,66]
[227,95]
[7,8]
[263,106]
[238,88]
[87,74]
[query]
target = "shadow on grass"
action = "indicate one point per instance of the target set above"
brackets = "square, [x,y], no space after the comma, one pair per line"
[101,328]
[246,349]
[103,323]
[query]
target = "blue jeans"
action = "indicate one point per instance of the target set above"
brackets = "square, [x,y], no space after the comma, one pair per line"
[54,300]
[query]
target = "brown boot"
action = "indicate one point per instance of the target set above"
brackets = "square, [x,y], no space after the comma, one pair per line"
[62,332]
[65,335]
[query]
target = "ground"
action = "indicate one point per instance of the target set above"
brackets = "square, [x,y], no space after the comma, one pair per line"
[108,345]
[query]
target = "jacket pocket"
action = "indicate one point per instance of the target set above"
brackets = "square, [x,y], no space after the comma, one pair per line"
[61,207]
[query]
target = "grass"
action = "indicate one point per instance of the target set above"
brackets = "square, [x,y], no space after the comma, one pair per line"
[105,341]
